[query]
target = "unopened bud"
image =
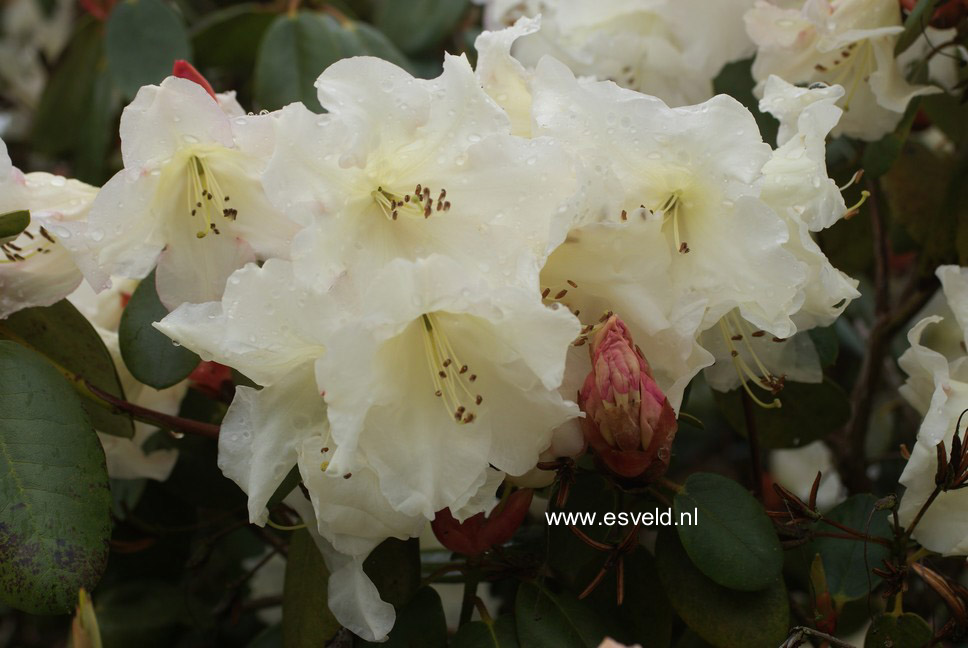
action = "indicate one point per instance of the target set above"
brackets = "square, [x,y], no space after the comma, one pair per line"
[480,532]
[628,420]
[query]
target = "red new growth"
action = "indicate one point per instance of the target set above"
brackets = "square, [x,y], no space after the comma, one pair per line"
[185,70]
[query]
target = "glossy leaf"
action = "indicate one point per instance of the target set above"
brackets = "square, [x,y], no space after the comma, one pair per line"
[732,540]
[13,223]
[555,620]
[149,355]
[810,411]
[903,631]
[418,25]
[294,52]
[306,619]
[848,563]
[55,518]
[227,37]
[143,39]
[725,618]
[65,337]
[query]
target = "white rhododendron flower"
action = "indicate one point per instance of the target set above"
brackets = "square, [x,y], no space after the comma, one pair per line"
[126,458]
[845,42]
[646,45]
[35,268]
[722,226]
[796,185]
[189,199]
[937,386]
[404,168]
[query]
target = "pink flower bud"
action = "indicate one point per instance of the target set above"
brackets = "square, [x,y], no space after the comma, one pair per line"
[628,420]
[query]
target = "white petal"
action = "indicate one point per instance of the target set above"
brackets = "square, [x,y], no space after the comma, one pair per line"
[266,325]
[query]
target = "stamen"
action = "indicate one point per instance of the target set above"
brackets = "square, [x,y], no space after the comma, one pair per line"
[765,379]
[853,209]
[420,204]
[18,253]
[670,209]
[205,195]
[449,386]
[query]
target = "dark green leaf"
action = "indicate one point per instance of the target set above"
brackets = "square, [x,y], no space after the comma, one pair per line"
[66,338]
[691,640]
[827,343]
[77,111]
[286,487]
[915,24]
[725,618]
[477,634]
[148,354]
[731,540]
[225,38]
[418,25]
[143,40]
[810,411]
[904,631]
[947,113]
[394,567]
[13,223]
[55,517]
[567,554]
[879,156]
[848,563]
[271,637]
[372,42]
[294,52]
[145,613]
[306,619]
[420,623]
[555,620]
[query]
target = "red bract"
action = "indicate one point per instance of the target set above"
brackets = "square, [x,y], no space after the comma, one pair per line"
[210,377]
[185,70]
[480,532]
[628,422]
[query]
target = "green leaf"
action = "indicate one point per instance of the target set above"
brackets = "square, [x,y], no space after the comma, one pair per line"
[947,113]
[827,344]
[294,52]
[148,354]
[904,631]
[880,156]
[810,411]
[732,541]
[225,38]
[306,619]
[567,554]
[394,568]
[372,42]
[288,484]
[915,24]
[65,337]
[55,517]
[725,618]
[848,563]
[477,634]
[79,107]
[418,25]
[555,620]
[420,623]
[13,223]
[143,40]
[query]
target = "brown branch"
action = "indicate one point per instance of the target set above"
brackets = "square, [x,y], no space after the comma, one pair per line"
[145,415]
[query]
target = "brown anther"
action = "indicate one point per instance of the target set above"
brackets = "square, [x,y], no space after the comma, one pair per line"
[46,235]
[446,205]
[580,342]
[442,374]
[463,369]
[683,248]
[473,377]
[479,399]
[347,475]
[737,337]
[545,293]
[438,393]
[561,293]
[406,198]
[625,215]
[759,333]
[447,362]
[734,353]
[326,449]
[776,339]
[819,68]
[469,417]
[571,283]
